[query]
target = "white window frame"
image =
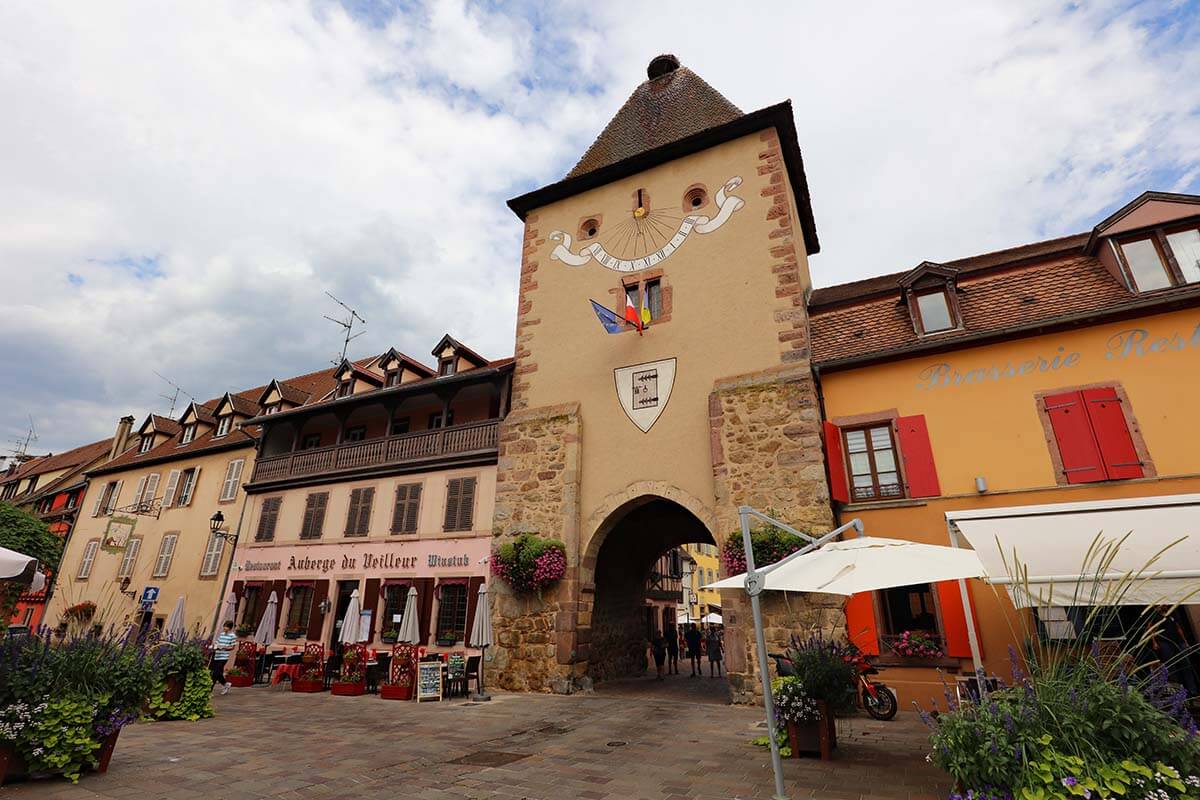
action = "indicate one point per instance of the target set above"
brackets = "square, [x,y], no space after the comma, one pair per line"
[187,485]
[146,443]
[113,497]
[233,477]
[224,425]
[129,558]
[89,558]
[212,556]
[189,434]
[166,554]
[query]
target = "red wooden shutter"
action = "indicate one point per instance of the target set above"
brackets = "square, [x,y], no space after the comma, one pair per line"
[278,587]
[264,593]
[860,623]
[837,463]
[237,590]
[1076,443]
[954,619]
[425,607]
[917,454]
[316,620]
[371,603]
[472,600]
[1117,452]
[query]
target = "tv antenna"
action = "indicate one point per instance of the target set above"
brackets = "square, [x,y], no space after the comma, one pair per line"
[172,398]
[20,453]
[348,324]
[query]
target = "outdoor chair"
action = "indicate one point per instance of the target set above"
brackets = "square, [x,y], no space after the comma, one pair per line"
[472,672]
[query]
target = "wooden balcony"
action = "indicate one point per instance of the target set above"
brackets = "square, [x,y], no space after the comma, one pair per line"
[456,443]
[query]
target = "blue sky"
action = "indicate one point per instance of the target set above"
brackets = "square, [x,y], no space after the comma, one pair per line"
[183,185]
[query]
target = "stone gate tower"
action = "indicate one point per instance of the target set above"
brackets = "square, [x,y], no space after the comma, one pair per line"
[625,443]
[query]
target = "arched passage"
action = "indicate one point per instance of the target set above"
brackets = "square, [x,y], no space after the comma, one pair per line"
[625,610]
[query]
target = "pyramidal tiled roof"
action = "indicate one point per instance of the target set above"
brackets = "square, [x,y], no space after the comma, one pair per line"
[672,104]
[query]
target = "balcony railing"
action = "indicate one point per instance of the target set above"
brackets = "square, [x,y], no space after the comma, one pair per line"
[457,440]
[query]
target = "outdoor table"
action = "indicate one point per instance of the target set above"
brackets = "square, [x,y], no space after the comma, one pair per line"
[292,671]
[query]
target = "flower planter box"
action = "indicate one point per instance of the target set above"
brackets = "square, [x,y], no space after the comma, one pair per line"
[241,681]
[389,692]
[814,738]
[173,688]
[447,642]
[292,635]
[308,686]
[356,689]
[12,765]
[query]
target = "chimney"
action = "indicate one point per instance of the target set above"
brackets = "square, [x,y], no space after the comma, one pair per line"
[121,438]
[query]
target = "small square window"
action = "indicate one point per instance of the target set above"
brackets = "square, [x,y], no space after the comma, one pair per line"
[224,424]
[146,444]
[189,433]
[1146,265]
[355,434]
[391,377]
[400,425]
[1185,246]
[446,367]
[311,440]
[345,388]
[934,308]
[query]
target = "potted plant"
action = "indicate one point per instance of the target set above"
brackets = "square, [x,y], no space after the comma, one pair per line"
[390,636]
[238,675]
[529,563]
[245,629]
[352,679]
[800,714]
[826,671]
[312,673]
[447,638]
[401,675]
[80,612]
[294,632]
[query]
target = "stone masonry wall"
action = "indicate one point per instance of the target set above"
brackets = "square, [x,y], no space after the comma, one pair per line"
[765,431]
[537,490]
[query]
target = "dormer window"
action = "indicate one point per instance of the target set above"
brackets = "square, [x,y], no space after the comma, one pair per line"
[446,366]
[934,311]
[189,433]
[391,377]
[271,409]
[223,425]
[1163,258]
[146,443]
[345,388]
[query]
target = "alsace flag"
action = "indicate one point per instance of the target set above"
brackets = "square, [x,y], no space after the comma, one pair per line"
[608,318]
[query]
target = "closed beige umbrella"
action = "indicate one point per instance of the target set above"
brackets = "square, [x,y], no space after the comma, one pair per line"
[410,631]
[175,628]
[481,635]
[266,627]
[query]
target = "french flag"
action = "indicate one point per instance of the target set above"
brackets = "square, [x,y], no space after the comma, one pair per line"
[631,313]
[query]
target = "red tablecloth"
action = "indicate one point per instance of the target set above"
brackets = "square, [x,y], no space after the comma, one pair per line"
[292,671]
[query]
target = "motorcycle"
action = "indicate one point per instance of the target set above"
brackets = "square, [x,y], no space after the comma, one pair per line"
[872,696]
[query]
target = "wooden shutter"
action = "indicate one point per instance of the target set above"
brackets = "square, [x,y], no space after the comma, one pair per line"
[917,454]
[316,620]
[371,603]
[264,592]
[860,623]
[460,504]
[278,587]
[233,476]
[151,488]
[114,496]
[314,515]
[466,509]
[837,463]
[453,498]
[407,507]
[358,518]
[172,485]
[954,619]
[425,606]
[268,516]
[1117,452]
[237,591]
[101,500]
[137,490]
[472,600]
[1073,432]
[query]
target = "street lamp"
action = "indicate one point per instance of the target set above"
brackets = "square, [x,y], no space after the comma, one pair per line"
[215,524]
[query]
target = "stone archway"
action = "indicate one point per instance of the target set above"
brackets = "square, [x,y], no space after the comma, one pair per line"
[616,615]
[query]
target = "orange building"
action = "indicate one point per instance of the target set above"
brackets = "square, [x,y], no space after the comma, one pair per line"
[1062,371]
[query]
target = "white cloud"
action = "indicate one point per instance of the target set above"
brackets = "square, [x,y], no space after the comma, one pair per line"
[260,154]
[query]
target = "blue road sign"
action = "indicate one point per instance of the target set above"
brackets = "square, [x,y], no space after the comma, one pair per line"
[150,595]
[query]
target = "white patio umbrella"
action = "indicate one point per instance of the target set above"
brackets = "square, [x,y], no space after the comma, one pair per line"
[266,627]
[481,635]
[229,612]
[350,627]
[864,564]
[410,631]
[174,628]
[712,618]
[16,566]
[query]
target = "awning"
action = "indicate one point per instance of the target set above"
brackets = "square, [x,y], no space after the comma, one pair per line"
[298,584]
[453,582]
[1079,554]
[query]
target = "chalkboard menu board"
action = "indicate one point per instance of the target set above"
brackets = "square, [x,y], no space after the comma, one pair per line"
[429,680]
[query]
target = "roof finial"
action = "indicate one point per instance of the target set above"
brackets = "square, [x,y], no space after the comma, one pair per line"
[662,65]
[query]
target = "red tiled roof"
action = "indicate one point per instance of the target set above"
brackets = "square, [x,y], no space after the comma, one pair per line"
[66,460]
[243,405]
[165,424]
[661,110]
[890,283]
[994,301]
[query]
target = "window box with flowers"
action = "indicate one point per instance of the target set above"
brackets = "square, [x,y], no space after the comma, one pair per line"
[390,636]
[294,633]
[245,629]
[80,612]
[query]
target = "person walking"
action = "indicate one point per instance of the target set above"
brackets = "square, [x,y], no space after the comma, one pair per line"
[672,651]
[692,640]
[714,652]
[658,648]
[222,648]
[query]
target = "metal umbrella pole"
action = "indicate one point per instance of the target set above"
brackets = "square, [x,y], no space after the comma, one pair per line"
[755,582]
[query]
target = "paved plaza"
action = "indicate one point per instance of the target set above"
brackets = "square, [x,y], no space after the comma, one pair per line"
[631,740]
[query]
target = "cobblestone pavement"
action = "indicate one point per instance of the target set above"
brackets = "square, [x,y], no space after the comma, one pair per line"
[624,744]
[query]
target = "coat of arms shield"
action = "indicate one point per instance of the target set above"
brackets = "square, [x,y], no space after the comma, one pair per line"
[644,389]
